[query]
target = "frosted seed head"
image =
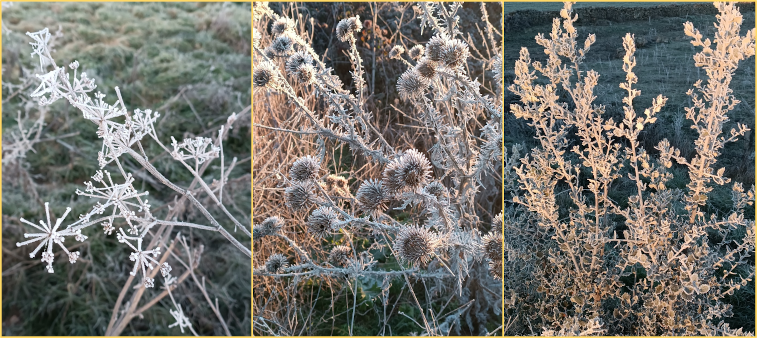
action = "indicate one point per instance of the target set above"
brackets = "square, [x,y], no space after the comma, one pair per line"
[493,246]
[438,190]
[148,282]
[165,269]
[298,59]
[416,52]
[299,195]
[434,48]
[426,68]
[305,169]
[415,245]
[340,255]
[306,74]
[455,53]
[281,25]
[276,263]
[372,196]
[396,52]
[322,221]
[282,44]
[411,85]
[264,75]
[497,223]
[346,28]
[495,269]
[410,172]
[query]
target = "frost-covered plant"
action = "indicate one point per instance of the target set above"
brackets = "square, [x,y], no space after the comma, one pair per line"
[656,265]
[119,206]
[447,242]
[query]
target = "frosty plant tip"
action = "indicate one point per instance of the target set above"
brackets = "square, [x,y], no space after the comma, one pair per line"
[120,131]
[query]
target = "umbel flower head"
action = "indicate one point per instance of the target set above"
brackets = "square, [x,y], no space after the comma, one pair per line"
[299,195]
[415,245]
[322,221]
[276,263]
[493,246]
[49,236]
[305,169]
[264,75]
[411,85]
[372,196]
[340,255]
[346,29]
[410,172]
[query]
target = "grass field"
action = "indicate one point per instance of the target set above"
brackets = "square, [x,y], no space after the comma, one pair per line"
[190,62]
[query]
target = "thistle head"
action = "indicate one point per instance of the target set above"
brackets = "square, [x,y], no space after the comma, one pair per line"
[322,221]
[281,25]
[298,59]
[415,245]
[276,263]
[305,169]
[282,44]
[372,196]
[396,52]
[416,52]
[493,246]
[411,85]
[454,53]
[410,172]
[346,28]
[264,75]
[299,195]
[434,48]
[340,255]
[426,68]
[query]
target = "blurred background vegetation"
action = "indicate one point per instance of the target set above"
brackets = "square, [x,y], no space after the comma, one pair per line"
[190,62]
[664,66]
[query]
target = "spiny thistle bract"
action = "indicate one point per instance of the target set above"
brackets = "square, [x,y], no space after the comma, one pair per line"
[410,172]
[276,263]
[415,244]
[372,196]
[322,221]
[340,255]
[305,169]
[264,75]
[346,28]
[299,195]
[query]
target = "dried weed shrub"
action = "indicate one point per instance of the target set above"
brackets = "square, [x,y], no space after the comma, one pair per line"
[656,264]
[424,191]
